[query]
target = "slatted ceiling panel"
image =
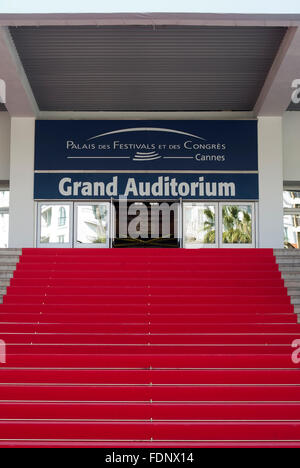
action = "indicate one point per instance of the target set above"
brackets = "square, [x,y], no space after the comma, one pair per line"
[143,68]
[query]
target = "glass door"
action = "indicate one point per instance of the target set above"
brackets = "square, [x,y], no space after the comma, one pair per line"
[91,224]
[55,222]
[291,219]
[237,225]
[200,225]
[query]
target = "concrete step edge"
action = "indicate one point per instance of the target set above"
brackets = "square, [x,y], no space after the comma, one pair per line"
[289,269]
[286,251]
[4,283]
[295,300]
[292,274]
[9,258]
[287,260]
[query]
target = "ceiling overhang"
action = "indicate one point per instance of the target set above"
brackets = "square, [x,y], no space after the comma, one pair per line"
[262,89]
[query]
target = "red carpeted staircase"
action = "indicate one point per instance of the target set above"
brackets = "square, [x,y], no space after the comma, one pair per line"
[148,348]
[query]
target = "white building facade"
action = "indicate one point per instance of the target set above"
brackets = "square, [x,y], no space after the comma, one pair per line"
[45,210]
[277,166]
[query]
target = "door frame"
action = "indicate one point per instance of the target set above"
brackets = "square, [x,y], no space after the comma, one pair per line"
[251,245]
[38,230]
[107,230]
[201,245]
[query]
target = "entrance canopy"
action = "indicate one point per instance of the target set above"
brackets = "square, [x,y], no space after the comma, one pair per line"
[162,62]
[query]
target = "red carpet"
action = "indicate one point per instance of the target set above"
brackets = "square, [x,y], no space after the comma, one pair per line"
[148,348]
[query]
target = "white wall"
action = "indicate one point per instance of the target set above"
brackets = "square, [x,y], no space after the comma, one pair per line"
[291,146]
[21,219]
[4,145]
[270,166]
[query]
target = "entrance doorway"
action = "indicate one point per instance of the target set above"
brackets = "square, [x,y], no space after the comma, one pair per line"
[225,224]
[146,224]
[68,224]
[151,224]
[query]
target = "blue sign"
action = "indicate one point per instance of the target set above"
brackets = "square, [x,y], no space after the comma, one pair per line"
[87,186]
[198,145]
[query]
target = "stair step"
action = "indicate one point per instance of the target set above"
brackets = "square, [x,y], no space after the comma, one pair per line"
[286,252]
[119,348]
[295,299]
[10,251]
[120,301]
[293,291]
[148,431]
[4,259]
[286,261]
[38,443]
[6,274]
[286,268]
[186,328]
[147,377]
[150,339]
[292,283]
[5,281]
[7,267]
[145,411]
[156,393]
[144,360]
[147,290]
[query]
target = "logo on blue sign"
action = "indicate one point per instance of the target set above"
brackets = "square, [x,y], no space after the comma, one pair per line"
[146,145]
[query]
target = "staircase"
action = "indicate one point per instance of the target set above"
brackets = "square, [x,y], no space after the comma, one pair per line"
[148,348]
[289,264]
[8,261]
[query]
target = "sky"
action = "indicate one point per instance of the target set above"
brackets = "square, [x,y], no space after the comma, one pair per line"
[142,6]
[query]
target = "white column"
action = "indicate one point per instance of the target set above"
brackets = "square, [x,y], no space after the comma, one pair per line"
[270,166]
[4,145]
[21,212]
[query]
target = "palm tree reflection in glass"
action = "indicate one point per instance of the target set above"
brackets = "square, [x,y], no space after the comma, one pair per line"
[209,226]
[100,214]
[237,224]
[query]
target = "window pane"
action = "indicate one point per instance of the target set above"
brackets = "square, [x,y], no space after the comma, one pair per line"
[92,223]
[4,230]
[4,199]
[52,231]
[62,216]
[291,199]
[291,231]
[237,224]
[200,224]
